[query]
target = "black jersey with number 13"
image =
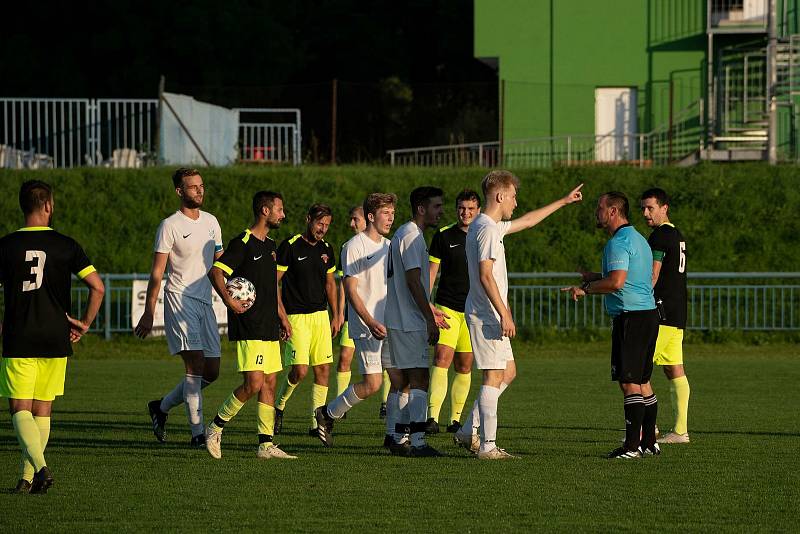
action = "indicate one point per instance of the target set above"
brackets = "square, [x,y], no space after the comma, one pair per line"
[669,247]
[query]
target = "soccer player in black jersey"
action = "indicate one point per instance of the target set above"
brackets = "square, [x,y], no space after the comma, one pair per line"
[447,250]
[36,264]
[306,266]
[257,329]
[669,286]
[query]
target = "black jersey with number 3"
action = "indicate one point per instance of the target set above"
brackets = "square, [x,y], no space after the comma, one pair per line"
[669,247]
[447,249]
[256,260]
[36,268]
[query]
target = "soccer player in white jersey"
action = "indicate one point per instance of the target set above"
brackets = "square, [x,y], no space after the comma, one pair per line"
[412,320]
[488,315]
[365,261]
[188,241]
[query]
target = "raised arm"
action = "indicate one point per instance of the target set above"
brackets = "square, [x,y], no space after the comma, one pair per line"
[532,218]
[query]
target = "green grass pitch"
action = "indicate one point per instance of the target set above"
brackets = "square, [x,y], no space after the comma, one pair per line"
[740,473]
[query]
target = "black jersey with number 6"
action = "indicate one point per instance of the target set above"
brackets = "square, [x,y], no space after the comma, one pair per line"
[669,247]
[36,266]
[447,249]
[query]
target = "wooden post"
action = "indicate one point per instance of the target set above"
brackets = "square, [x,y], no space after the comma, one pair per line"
[333,120]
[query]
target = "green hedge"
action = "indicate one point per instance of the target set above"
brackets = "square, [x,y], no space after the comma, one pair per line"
[735,217]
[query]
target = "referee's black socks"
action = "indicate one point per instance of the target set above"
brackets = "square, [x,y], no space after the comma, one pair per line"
[649,421]
[634,416]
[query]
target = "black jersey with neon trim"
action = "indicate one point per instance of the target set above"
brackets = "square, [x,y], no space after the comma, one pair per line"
[448,250]
[36,268]
[669,247]
[256,260]
[306,268]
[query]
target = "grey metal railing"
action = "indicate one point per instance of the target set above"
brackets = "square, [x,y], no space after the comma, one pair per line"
[717,300]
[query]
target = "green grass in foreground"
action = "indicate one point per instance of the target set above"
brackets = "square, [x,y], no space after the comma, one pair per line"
[562,414]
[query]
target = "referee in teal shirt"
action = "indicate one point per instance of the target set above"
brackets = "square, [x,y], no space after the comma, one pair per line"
[626,282]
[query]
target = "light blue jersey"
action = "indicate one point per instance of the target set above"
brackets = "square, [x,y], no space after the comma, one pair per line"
[628,251]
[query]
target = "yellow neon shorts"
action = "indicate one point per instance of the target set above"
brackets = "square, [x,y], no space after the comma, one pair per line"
[258,355]
[457,336]
[669,346]
[311,342]
[32,378]
[344,337]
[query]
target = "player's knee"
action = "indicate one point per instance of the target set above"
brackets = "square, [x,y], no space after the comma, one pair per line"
[298,373]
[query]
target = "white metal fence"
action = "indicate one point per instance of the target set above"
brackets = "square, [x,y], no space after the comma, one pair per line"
[269,142]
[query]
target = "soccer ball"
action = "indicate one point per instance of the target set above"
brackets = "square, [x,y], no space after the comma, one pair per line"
[242,289]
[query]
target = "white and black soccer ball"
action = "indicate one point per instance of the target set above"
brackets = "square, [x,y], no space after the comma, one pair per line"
[241,289]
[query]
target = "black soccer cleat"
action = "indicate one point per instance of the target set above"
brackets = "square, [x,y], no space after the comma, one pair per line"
[159,420]
[652,450]
[382,411]
[198,441]
[623,454]
[42,481]
[313,432]
[324,426]
[424,451]
[431,426]
[23,486]
[453,427]
[399,449]
[278,422]
[387,441]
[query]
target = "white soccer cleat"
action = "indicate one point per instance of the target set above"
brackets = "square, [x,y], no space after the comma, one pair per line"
[214,442]
[495,454]
[673,438]
[471,442]
[270,450]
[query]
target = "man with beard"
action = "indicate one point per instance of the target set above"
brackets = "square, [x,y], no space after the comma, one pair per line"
[306,265]
[255,329]
[36,263]
[188,241]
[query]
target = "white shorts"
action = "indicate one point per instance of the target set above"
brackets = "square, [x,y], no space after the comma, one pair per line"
[491,349]
[374,355]
[410,349]
[190,324]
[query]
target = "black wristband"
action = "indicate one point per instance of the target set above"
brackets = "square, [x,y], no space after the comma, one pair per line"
[585,287]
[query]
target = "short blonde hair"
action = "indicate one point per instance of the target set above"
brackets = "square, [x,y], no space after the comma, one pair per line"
[498,179]
[376,201]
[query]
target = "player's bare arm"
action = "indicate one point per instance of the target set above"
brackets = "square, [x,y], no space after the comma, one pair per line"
[589,276]
[532,218]
[377,329]
[611,283]
[489,284]
[153,286]
[421,300]
[342,301]
[433,269]
[286,326]
[97,289]
[333,301]
[656,271]
[217,277]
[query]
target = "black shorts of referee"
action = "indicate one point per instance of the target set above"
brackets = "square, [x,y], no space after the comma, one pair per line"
[633,342]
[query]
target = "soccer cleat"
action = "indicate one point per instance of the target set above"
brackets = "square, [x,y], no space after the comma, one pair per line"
[324,426]
[278,422]
[496,454]
[198,441]
[624,454]
[382,411]
[652,450]
[23,486]
[42,481]
[214,442]
[270,450]
[673,438]
[400,449]
[159,419]
[313,432]
[453,427]
[471,442]
[387,441]
[424,451]
[431,426]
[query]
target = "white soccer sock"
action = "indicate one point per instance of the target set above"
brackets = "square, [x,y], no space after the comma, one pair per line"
[475,414]
[487,401]
[392,412]
[418,412]
[341,404]
[173,398]
[194,403]
[402,416]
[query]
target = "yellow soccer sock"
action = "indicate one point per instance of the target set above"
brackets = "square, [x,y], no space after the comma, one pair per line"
[458,394]
[679,387]
[226,412]
[265,415]
[29,438]
[342,381]
[437,390]
[44,435]
[285,391]
[319,397]
[387,385]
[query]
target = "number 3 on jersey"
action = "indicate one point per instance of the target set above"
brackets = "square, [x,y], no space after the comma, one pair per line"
[39,257]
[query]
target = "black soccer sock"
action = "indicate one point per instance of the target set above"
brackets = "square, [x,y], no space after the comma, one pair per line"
[649,421]
[634,415]
[264,438]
